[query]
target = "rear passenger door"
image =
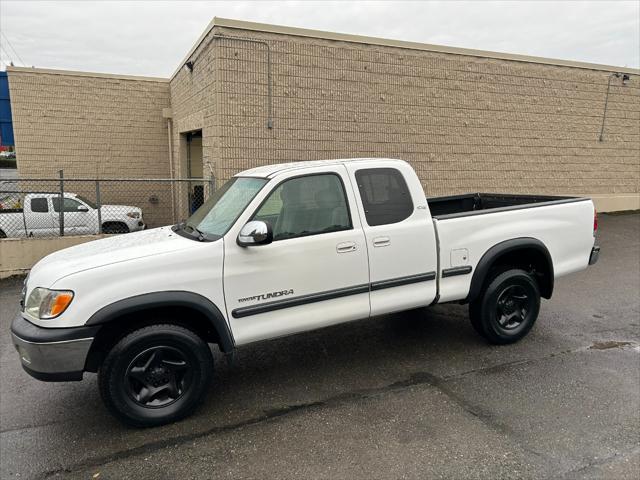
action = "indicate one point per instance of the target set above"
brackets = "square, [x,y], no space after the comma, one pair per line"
[399,234]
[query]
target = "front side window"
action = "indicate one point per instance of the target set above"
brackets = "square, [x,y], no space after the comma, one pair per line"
[385,196]
[306,205]
[220,211]
[39,205]
[69,205]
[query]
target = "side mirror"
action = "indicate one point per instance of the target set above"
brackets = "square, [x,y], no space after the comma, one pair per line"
[255,233]
[82,208]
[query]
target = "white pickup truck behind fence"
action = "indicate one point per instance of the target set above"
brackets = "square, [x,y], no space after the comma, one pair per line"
[41,216]
[30,207]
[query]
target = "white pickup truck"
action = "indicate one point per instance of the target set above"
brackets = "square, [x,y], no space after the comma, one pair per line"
[285,249]
[39,216]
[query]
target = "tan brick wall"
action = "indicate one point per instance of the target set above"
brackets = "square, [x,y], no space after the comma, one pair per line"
[194,101]
[90,126]
[465,123]
[94,126]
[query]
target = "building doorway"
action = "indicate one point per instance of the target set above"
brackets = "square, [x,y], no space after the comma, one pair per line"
[194,169]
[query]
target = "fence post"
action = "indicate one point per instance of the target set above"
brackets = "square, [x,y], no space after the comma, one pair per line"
[61,204]
[99,205]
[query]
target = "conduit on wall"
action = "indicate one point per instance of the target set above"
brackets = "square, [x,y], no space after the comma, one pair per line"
[625,78]
[192,60]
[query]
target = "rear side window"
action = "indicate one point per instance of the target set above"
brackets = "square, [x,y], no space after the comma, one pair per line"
[39,205]
[385,196]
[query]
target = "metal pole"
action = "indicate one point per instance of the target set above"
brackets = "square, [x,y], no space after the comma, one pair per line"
[61,204]
[99,205]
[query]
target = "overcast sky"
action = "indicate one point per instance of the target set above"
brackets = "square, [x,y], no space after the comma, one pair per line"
[151,38]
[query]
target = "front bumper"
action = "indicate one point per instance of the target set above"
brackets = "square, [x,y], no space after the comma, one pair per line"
[595,253]
[52,354]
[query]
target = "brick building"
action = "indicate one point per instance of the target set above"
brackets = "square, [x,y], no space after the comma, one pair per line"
[249,94]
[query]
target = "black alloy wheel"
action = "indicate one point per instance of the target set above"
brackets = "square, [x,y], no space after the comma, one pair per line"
[513,307]
[507,308]
[158,376]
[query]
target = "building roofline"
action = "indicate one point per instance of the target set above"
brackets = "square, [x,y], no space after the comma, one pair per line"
[85,74]
[201,38]
[344,37]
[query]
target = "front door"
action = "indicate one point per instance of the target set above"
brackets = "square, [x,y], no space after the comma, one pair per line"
[313,274]
[400,236]
[78,218]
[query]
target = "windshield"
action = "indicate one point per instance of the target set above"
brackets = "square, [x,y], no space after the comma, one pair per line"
[221,209]
[88,202]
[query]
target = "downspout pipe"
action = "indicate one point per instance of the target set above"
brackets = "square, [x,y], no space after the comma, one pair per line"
[173,194]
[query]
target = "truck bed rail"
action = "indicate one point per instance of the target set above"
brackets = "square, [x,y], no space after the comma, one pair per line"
[456,206]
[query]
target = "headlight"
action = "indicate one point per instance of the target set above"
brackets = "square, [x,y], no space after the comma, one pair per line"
[45,304]
[133,214]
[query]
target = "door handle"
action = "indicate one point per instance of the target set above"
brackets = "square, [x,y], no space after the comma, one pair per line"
[346,247]
[381,241]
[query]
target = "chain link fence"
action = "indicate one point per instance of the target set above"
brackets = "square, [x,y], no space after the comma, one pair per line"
[44,207]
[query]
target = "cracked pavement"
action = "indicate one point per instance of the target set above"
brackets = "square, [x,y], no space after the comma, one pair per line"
[414,395]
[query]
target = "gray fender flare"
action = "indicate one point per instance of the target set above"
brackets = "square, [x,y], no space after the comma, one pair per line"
[146,301]
[490,256]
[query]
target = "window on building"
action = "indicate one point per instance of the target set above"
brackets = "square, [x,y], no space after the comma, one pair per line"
[308,205]
[70,205]
[385,196]
[39,205]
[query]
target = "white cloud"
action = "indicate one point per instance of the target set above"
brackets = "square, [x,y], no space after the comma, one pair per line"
[150,38]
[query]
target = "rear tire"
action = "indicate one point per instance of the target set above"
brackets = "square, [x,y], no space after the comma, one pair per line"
[2,234]
[507,307]
[156,375]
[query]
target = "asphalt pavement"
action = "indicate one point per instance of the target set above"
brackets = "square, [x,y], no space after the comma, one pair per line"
[414,395]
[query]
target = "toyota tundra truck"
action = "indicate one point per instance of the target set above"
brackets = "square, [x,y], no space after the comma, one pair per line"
[284,249]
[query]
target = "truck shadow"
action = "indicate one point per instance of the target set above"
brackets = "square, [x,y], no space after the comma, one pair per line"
[348,357]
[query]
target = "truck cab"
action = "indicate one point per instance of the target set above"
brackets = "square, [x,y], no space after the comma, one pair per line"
[335,249]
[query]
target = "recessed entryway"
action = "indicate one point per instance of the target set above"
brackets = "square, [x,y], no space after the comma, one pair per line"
[193,168]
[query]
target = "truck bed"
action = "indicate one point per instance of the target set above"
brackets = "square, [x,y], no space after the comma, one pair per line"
[478,203]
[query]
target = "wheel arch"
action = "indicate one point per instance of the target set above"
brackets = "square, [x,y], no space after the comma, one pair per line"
[108,223]
[520,253]
[187,309]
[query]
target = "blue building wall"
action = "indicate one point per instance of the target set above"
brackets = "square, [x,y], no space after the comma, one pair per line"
[6,126]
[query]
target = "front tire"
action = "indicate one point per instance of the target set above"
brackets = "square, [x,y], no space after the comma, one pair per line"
[507,308]
[156,375]
[111,228]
